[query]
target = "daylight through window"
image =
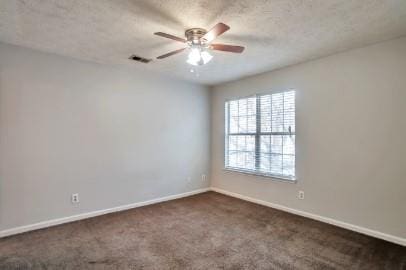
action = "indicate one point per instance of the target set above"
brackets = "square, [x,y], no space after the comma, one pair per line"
[260,135]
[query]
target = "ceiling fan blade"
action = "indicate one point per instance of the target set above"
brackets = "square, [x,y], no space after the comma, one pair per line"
[216,31]
[227,48]
[170,53]
[165,35]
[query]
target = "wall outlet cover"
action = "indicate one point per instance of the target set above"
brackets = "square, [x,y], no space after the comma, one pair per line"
[75,198]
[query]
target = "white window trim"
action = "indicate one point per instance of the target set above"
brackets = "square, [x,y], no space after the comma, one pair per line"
[276,177]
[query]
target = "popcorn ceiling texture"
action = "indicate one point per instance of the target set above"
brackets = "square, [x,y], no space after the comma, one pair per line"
[275,33]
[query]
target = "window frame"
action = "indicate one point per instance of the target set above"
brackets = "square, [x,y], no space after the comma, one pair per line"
[257,134]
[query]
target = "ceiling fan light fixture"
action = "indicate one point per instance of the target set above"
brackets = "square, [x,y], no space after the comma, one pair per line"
[198,56]
[206,56]
[198,42]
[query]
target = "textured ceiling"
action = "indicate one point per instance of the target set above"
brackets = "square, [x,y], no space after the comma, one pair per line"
[276,33]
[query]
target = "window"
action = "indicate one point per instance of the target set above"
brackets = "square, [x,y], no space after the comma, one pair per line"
[260,135]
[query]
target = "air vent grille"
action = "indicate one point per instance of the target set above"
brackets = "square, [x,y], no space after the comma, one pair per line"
[140,59]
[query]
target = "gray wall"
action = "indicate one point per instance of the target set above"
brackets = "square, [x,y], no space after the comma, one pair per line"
[114,135]
[351,131]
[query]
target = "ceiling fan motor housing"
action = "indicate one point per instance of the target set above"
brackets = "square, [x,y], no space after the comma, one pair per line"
[194,36]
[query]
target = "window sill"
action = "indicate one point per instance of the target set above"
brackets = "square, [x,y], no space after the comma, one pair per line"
[291,180]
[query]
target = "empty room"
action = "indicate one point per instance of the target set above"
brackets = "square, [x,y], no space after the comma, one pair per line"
[180,134]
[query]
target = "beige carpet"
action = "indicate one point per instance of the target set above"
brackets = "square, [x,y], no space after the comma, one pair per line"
[206,231]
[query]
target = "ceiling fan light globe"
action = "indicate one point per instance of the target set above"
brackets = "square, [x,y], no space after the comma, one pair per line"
[193,63]
[206,56]
[194,55]
[198,57]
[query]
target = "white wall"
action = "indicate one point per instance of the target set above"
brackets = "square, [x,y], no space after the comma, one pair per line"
[351,132]
[114,135]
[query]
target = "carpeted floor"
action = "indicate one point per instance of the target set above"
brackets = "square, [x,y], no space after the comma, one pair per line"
[206,231]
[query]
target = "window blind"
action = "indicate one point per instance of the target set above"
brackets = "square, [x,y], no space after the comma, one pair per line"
[260,134]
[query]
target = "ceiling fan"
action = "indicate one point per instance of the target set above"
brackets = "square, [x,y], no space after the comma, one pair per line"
[198,42]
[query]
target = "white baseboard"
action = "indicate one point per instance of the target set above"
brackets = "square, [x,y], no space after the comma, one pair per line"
[53,222]
[348,226]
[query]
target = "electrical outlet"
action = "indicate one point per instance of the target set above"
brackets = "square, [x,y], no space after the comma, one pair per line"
[301,195]
[204,178]
[75,198]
